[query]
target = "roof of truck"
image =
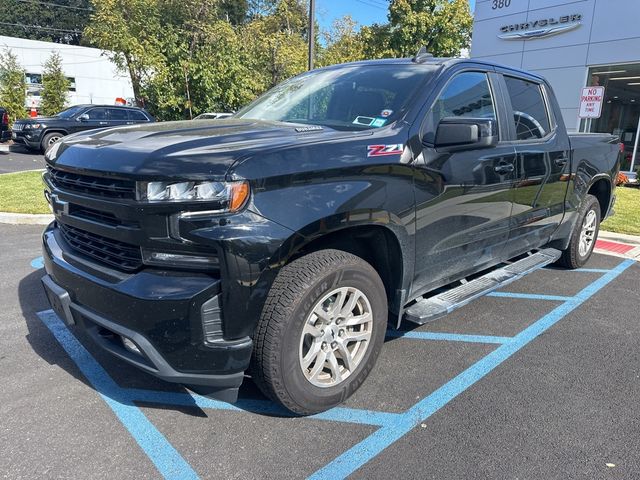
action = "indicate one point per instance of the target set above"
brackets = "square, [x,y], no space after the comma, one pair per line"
[438,61]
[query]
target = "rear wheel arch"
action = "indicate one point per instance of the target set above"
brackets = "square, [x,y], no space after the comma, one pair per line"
[601,189]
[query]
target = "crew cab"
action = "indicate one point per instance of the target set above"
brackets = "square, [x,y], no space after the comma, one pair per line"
[282,243]
[40,133]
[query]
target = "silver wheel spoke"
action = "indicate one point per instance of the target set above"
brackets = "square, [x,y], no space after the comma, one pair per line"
[312,354]
[322,314]
[334,367]
[346,357]
[358,320]
[312,330]
[321,358]
[350,305]
[356,336]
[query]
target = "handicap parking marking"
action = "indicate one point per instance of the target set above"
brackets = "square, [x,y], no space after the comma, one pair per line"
[37,263]
[529,296]
[361,453]
[392,426]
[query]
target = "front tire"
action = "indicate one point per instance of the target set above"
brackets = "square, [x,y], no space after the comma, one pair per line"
[320,332]
[48,141]
[584,236]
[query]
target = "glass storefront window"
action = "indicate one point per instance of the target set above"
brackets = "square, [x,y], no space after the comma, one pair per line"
[621,108]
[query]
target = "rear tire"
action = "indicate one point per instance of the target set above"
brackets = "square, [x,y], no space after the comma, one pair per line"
[320,332]
[584,236]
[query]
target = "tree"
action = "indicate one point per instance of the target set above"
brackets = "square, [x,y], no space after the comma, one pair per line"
[13,88]
[59,22]
[55,86]
[443,26]
[343,43]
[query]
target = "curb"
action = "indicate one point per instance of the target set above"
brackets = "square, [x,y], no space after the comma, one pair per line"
[620,237]
[618,245]
[25,218]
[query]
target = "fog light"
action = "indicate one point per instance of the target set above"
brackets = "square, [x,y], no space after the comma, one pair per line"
[129,345]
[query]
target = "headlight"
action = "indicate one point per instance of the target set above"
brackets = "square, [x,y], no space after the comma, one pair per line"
[34,126]
[231,195]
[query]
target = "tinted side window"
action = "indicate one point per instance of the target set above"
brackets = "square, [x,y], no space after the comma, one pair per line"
[137,116]
[529,109]
[117,114]
[97,114]
[466,95]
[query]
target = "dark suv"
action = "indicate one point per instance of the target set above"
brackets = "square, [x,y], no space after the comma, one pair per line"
[42,132]
[5,134]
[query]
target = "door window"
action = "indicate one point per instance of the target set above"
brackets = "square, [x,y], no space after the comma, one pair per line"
[137,116]
[530,115]
[466,95]
[97,114]
[118,114]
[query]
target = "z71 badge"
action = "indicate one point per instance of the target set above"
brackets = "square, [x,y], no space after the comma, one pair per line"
[383,150]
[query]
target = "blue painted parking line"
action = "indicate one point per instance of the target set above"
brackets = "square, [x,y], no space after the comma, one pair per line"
[167,460]
[392,426]
[529,296]
[363,452]
[450,337]
[37,263]
[591,270]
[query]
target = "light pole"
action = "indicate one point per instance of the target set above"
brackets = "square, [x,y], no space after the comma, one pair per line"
[312,28]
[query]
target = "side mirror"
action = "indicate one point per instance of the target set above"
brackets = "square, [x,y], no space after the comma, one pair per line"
[459,133]
[83,118]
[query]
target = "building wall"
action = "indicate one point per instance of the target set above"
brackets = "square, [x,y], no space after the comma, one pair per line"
[96,78]
[609,34]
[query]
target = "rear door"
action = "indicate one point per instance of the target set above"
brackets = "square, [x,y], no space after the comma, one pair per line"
[463,198]
[118,117]
[542,160]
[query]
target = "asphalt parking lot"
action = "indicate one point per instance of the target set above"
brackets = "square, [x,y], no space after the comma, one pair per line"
[540,380]
[16,158]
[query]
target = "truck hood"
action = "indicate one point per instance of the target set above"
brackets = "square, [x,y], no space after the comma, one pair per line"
[188,149]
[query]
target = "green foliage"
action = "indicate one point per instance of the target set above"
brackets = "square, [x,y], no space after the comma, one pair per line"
[55,86]
[443,26]
[38,21]
[189,56]
[13,89]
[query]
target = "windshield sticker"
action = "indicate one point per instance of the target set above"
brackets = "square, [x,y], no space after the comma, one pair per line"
[386,113]
[379,122]
[364,121]
[384,150]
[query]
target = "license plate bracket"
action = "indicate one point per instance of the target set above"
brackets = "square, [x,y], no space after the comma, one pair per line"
[59,299]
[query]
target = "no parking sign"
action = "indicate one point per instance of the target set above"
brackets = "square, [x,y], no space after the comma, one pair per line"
[591,102]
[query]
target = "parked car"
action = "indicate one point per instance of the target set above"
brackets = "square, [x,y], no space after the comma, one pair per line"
[41,132]
[5,133]
[213,116]
[282,241]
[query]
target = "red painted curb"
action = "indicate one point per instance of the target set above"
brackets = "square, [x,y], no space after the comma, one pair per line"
[614,247]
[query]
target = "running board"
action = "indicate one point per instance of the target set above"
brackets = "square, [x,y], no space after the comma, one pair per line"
[432,308]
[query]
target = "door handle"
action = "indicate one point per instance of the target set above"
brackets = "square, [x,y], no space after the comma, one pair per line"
[504,168]
[561,161]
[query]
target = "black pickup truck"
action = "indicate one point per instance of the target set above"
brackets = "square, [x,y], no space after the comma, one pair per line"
[281,243]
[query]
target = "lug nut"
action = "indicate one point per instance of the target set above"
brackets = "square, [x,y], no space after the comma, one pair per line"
[324,345]
[334,344]
[341,333]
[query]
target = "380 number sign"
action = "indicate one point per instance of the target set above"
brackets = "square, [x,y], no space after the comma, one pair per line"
[496,4]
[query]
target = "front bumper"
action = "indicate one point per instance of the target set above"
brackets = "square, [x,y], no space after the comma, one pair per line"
[30,138]
[161,312]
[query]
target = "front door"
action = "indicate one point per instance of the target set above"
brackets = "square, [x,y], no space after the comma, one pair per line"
[464,198]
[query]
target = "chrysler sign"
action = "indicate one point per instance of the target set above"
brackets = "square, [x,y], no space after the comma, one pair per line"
[542,28]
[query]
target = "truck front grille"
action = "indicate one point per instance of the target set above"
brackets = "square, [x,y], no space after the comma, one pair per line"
[90,185]
[120,255]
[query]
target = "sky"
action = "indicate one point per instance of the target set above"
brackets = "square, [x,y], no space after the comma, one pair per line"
[365,12]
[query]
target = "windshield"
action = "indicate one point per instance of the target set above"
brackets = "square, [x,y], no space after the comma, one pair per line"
[70,112]
[349,98]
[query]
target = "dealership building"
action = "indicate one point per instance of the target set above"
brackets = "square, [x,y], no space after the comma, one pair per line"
[573,44]
[93,78]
